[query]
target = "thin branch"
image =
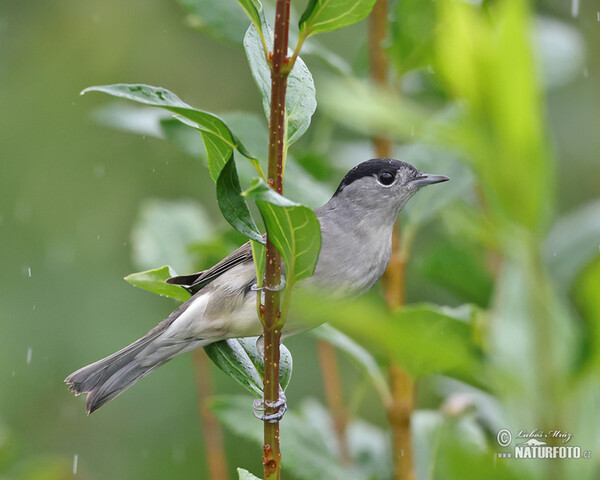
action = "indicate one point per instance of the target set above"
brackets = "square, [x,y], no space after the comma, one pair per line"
[213,435]
[271,318]
[334,394]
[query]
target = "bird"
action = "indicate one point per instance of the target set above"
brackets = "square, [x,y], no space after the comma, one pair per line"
[356,244]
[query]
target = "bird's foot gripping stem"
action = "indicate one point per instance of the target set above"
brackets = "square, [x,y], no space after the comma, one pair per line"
[260,405]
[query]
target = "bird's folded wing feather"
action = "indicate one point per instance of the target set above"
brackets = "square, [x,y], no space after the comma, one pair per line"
[197,281]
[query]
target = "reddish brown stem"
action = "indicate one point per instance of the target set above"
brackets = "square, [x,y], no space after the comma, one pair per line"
[334,394]
[271,318]
[401,384]
[213,435]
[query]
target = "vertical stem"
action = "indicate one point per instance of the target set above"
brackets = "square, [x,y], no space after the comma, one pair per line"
[213,435]
[379,64]
[401,384]
[399,412]
[271,318]
[334,395]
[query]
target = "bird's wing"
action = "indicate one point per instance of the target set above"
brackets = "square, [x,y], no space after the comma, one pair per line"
[197,281]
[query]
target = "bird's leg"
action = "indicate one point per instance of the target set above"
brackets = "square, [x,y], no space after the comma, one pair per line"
[260,404]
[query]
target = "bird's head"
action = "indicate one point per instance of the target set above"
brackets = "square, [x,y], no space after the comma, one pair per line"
[382,185]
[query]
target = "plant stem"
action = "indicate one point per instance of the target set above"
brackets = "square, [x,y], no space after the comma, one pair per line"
[379,64]
[213,435]
[401,384]
[334,395]
[271,318]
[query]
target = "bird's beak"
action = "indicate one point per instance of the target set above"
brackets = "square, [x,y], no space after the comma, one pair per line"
[427,179]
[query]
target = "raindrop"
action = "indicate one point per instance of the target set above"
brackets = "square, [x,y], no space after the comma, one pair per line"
[143,137]
[98,236]
[598,16]
[13,373]
[29,353]
[34,307]
[75,460]
[29,271]
[574,8]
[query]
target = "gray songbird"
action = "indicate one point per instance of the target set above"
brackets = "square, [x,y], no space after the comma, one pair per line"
[356,244]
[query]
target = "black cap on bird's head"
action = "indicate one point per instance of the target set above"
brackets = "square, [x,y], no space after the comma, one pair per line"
[388,172]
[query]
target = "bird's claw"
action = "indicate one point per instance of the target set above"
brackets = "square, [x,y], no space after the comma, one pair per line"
[260,405]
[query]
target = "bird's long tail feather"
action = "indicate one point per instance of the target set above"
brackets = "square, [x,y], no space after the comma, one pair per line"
[111,376]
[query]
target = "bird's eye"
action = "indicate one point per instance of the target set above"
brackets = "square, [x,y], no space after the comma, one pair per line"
[386,178]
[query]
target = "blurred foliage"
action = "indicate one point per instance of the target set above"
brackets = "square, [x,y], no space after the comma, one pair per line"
[502,96]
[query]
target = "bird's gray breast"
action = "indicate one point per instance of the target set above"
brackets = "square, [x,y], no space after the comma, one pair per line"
[353,256]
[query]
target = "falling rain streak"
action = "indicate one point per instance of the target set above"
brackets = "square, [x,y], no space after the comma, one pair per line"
[75,459]
[29,353]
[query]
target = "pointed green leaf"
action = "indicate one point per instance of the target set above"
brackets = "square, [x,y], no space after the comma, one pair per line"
[300,100]
[154,281]
[233,206]
[328,15]
[218,139]
[241,360]
[292,228]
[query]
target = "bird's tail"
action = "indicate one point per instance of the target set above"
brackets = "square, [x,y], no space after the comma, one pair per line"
[111,376]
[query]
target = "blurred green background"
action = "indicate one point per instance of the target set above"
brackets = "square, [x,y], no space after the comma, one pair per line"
[71,192]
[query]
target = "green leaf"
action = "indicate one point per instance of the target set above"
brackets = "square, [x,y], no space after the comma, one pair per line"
[328,15]
[253,9]
[292,228]
[233,206]
[573,243]
[422,338]
[244,474]
[300,100]
[358,354]
[154,281]
[241,360]
[218,139]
